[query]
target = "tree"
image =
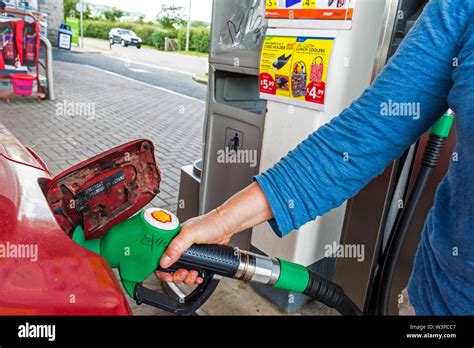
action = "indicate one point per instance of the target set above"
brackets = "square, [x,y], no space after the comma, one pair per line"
[113,14]
[87,13]
[171,16]
[199,24]
[70,8]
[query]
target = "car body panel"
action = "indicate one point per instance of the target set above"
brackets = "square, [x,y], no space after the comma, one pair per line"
[60,277]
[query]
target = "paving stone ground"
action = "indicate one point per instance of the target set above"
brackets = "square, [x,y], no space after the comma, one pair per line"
[95,111]
[108,111]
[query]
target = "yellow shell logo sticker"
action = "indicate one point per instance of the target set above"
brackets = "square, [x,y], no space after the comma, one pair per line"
[162,217]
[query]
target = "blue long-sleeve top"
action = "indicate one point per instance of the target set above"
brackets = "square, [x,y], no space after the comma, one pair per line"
[434,68]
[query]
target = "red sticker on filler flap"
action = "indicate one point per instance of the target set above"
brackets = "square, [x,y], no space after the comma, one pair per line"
[162,217]
[316,92]
[267,84]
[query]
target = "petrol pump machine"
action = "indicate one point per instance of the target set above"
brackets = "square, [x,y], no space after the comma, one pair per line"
[235,113]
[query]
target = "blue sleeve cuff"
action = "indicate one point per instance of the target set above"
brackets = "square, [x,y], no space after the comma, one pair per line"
[280,223]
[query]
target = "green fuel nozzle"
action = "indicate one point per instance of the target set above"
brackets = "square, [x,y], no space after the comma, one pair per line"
[442,128]
[136,246]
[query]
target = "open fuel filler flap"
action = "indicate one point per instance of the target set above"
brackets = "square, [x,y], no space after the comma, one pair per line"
[105,190]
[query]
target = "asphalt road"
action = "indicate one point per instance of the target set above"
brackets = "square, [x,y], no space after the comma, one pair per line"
[172,80]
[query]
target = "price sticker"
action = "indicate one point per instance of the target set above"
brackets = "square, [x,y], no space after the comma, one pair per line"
[267,84]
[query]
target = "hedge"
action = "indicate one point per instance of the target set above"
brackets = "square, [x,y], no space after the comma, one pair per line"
[151,35]
[159,35]
[198,39]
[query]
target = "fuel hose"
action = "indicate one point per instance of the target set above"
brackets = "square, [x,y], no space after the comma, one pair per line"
[439,133]
[234,263]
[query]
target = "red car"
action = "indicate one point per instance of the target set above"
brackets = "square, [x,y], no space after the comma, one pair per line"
[42,271]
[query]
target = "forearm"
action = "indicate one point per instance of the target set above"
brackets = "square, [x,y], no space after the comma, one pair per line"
[246,209]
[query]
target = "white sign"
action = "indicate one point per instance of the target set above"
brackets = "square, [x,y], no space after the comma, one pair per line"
[27,4]
[10,3]
[80,8]
[64,41]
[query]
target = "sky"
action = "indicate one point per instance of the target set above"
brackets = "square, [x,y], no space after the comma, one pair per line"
[201,9]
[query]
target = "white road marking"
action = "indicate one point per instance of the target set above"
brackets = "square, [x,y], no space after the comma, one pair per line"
[128,61]
[138,70]
[145,84]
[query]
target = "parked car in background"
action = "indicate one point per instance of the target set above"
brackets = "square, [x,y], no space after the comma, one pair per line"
[125,37]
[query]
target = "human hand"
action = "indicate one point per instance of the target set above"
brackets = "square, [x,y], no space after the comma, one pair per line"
[207,229]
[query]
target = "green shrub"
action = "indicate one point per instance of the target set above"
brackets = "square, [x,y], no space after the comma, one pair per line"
[151,35]
[159,35]
[198,39]
[101,29]
[145,32]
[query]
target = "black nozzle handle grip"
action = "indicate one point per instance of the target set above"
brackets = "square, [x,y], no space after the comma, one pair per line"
[217,259]
[179,306]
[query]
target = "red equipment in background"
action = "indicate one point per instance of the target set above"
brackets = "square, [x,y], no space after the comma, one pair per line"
[31,44]
[9,46]
[21,46]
